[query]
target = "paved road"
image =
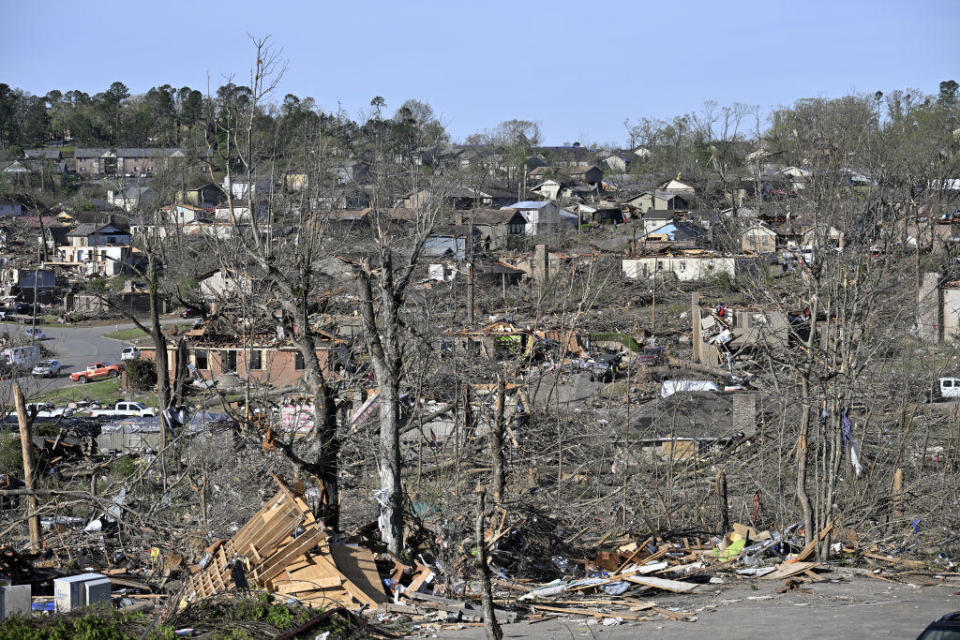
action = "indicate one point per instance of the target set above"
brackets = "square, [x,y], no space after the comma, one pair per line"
[858,607]
[75,348]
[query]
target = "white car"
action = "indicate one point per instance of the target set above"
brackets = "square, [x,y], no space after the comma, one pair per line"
[47,368]
[36,334]
[130,353]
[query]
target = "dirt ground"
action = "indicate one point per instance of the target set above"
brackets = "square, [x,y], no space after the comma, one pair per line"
[852,607]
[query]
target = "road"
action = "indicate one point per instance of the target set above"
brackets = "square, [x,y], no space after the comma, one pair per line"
[75,348]
[857,607]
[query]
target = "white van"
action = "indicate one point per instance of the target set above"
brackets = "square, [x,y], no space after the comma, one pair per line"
[948,388]
[25,357]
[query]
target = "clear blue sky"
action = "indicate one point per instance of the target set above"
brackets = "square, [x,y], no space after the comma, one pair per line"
[579,68]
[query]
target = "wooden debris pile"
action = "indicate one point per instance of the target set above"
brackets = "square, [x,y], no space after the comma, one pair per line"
[283,549]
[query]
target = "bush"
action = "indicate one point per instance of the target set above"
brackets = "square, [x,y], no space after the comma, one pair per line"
[141,375]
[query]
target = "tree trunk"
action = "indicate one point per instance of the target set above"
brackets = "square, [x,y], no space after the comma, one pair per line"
[490,625]
[391,503]
[26,450]
[496,444]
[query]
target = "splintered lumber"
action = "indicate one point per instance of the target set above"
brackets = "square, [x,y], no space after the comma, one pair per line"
[785,570]
[283,549]
[808,550]
[591,613]
[662,583]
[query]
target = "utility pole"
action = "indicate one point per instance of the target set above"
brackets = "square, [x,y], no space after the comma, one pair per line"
[26,449]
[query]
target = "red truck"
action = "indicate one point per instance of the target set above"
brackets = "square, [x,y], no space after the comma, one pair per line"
[96,372]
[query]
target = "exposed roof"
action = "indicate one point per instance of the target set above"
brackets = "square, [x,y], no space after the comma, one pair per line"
[659,214]
[128,152]
[529,204]
[679,231]
[88,228]
[706,415]
[42,154]
[494,216]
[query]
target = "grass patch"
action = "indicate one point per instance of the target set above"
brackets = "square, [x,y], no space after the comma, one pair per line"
[126,334]
[135,333]
[626,340]
[104,391]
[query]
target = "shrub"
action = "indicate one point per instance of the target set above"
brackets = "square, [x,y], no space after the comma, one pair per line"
[141,375]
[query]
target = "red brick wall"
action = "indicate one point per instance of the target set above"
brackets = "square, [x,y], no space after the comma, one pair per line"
[277,366]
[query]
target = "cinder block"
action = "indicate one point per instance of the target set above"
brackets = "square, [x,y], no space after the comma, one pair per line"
[97,591]
[15,599]
[69,593]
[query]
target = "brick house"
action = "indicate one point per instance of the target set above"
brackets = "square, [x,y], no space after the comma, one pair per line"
[264,359]
[122,161]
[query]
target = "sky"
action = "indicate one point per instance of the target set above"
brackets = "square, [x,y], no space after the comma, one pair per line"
[578,68]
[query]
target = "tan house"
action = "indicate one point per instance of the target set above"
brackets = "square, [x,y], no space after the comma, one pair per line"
[759,238]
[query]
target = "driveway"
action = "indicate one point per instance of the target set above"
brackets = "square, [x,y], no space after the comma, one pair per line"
[75,348]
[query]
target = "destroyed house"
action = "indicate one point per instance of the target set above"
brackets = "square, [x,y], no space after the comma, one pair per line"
[720,332]
[693,425]
[216,356]
[690,265]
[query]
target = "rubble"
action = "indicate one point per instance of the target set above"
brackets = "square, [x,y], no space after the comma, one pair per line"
[283,549]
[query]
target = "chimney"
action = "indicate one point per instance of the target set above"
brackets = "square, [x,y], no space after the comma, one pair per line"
[744,412]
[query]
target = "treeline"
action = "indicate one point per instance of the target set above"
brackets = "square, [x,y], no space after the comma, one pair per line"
[707,145]
[185,117]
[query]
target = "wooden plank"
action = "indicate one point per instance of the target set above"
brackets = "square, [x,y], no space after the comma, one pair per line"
[319,582]
[590,613]
[662,583]
[785,570]
[279,561]
[808,550]
[359,567]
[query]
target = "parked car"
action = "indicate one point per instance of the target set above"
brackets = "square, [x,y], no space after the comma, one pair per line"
[133,409]
[943,628]
[130,353]
[189,312]
[97,371]
[36,334]
[47,368]
[26,309]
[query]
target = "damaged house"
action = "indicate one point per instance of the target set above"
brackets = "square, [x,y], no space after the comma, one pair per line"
[693,425]
[218,353]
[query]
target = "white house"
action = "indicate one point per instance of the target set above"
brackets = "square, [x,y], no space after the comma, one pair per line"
[544,215]
[689,266]
[131,197]
[549,189]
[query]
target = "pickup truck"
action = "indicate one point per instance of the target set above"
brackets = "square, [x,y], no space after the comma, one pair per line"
[97,371]
[125,409]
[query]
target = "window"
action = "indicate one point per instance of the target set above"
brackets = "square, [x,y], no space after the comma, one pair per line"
[200,356]
[228,360]
[298,361]
[256,359]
